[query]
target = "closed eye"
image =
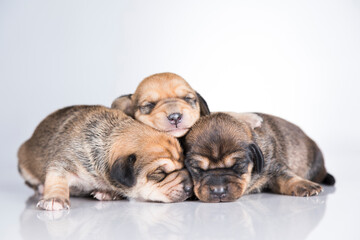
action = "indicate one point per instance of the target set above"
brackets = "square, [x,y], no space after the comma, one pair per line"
[159,171]
[241,164]
[194,167]
[158,175]
[190,99]
[147,107]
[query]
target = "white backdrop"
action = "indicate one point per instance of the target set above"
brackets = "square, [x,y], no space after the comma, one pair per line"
[296,59]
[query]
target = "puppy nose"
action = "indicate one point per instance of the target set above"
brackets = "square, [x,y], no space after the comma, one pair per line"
[188,190]
[218,191]
[175,118]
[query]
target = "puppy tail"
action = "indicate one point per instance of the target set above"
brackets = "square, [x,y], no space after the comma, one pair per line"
[329,180]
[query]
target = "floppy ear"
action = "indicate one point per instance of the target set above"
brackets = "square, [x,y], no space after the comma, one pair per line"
[125,104]
[122,170]
[204,109]
[258,157]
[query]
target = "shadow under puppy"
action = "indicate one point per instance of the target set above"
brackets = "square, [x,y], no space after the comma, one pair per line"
[227,158]
[83,150]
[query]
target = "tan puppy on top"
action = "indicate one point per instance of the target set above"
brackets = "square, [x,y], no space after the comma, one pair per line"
[166,102]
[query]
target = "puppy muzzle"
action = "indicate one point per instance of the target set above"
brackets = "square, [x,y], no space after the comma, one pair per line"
[175,118]
[219,188]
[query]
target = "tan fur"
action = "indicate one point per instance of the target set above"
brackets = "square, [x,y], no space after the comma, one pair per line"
[83,150]
[170,93]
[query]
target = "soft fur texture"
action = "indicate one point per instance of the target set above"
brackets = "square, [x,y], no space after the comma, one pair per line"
[227,158]
[164,101]
[83,150]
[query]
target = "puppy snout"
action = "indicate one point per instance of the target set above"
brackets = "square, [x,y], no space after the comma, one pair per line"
[188,187]
[188,190]
[175,118]
[219,191]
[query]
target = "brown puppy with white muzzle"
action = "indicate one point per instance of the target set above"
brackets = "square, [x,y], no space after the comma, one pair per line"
[164,101]
[227,158]
[94,150]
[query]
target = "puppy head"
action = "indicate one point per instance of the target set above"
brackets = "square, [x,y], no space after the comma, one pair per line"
[221,157]
[166,102]
[150,167]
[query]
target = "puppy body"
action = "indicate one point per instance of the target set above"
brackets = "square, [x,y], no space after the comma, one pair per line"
[227,158]
[166,102]
[84,150]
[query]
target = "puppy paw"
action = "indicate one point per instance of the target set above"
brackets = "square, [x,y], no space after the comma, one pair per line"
[304,188]
[105,196]
[53,204]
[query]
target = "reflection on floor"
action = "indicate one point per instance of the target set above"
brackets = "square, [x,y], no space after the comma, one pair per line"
[257,216]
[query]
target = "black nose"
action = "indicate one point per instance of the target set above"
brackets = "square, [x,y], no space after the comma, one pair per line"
[175,118]
[218,191]
[188,190]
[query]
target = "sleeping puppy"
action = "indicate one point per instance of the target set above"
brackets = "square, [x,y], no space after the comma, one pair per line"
[227,158]
[166,102]
[83,150]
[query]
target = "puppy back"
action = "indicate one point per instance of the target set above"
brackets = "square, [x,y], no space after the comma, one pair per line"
[66,135]
[288,143]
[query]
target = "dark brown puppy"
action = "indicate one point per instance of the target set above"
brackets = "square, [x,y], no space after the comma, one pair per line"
[227,158]
[83,150]
[166,102]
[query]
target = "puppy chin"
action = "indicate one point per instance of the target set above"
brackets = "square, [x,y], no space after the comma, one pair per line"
[204,194]
[212,199]
[178,132]
[150,193]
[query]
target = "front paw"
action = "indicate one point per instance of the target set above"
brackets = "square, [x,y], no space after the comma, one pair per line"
[53,204]
[304,188]
[105,196]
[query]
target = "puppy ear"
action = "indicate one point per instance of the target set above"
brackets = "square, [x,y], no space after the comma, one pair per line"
[122,171]
[204,109]
[258,157]
[125,104]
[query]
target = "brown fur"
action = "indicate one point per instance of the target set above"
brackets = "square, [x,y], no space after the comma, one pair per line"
[160,95]
[276,156]
[83,150]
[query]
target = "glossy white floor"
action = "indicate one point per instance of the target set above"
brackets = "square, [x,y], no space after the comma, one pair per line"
[334,214]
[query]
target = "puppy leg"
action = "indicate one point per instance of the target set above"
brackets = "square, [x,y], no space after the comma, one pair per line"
[290,184]
[56,193]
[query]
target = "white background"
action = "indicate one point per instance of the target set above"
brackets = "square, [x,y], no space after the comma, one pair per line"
[299,60]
